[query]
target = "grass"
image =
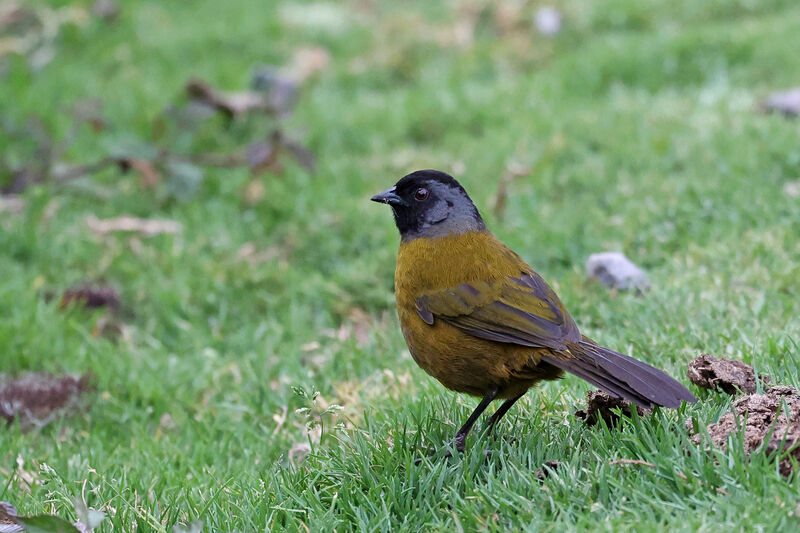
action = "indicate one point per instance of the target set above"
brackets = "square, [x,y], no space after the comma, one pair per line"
[638,122]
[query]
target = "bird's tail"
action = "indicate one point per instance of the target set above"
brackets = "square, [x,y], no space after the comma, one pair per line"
[621,376]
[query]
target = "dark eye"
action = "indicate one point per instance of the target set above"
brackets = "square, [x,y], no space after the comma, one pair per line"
[421,194]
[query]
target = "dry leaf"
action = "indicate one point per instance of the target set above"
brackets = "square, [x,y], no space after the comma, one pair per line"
[27,477]
[263,155]
[308,61]
[280,419]
[146,226]
[230,103]
[301,154]
[150,177]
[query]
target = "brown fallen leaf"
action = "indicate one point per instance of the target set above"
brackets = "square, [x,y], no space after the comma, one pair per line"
[91,297]
[308,61]
[263,155]
[301,154]
[254,191]
[717,374]
[150,177]
[601,405]
[230,103]
[35,399]
[770,420]
[280,419]
[146,226]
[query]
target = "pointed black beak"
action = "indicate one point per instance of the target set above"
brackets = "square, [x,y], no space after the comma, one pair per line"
[388,197]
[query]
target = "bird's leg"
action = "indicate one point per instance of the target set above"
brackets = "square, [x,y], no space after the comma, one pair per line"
[501,411]
[461,437]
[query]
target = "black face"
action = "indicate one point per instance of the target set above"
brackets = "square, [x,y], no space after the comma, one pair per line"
[429,203]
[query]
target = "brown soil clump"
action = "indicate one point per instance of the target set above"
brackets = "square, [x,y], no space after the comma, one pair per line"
[600,405]
[715,373]
[771,420]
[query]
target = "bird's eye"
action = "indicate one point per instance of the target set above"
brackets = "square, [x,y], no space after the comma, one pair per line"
[421,194]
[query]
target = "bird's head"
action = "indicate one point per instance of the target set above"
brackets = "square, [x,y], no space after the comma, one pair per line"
[430,204]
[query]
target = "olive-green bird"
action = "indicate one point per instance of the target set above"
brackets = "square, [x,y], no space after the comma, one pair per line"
[477,318]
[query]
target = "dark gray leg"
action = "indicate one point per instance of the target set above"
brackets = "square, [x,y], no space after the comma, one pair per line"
[501,411]
[461,437]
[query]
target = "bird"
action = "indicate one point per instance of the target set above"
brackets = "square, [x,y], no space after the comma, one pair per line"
[481,321]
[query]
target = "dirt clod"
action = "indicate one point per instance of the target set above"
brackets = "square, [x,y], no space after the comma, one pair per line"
[771,420]
[91,297]
[36,398]
[600,405]
[728,376]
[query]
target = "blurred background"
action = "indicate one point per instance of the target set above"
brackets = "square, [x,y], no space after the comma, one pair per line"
[189,254]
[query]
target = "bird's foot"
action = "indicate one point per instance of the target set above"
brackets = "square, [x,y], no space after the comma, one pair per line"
[458,444]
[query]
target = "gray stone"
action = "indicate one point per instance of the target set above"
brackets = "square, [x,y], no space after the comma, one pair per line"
[786,102]
[616,271]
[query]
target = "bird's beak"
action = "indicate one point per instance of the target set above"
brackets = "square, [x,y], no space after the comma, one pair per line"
[388,197]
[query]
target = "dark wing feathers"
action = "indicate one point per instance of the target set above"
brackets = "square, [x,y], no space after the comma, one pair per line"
[526,311]
[522,310]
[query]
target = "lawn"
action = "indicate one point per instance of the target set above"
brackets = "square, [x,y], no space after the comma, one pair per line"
[256,378]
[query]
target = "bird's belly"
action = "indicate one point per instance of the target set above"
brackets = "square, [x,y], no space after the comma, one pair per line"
[465,363]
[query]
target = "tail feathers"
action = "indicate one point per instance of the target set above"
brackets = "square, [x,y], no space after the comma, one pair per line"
[621,375]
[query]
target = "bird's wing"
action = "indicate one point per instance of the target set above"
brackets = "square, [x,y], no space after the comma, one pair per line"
[522,310]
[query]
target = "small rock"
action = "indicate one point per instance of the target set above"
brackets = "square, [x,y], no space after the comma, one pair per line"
[600,405]
[107,10]
[757,416]
[729,376]
[785,102]
[548,20]
[616,271]
[792,189]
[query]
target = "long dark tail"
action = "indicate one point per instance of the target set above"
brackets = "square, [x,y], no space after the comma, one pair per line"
[621,376]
